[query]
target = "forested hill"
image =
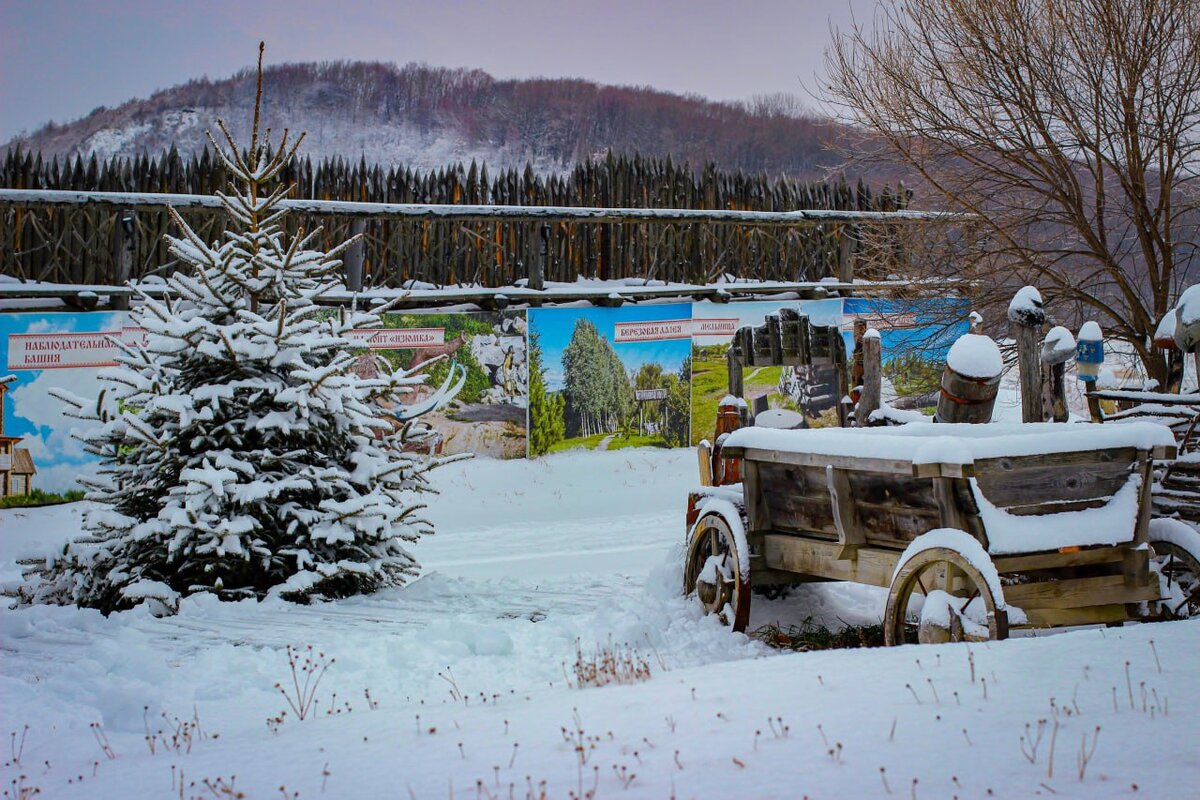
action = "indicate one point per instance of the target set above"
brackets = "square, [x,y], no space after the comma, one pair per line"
[425,117]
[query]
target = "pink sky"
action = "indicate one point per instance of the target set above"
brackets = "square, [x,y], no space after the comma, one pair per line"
[59,60]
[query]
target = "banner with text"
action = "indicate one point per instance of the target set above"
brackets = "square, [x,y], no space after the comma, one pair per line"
[607,378]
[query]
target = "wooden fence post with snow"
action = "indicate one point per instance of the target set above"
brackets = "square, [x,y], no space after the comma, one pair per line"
[124,246]
[847,245]
[1057,349]
[872,377]
[1026,315]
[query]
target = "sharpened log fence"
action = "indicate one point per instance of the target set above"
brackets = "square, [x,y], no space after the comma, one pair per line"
[619,218]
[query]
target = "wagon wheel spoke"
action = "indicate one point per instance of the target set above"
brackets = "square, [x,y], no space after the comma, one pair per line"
[714,542]
[948,576]
[963,608]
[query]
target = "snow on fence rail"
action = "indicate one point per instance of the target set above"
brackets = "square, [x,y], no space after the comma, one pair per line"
[89,296]
[155,201]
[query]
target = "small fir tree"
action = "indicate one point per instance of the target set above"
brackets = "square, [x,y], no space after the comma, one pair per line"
[242,452]
[546,409]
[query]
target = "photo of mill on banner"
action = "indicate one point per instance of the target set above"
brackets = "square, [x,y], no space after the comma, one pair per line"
[609,378]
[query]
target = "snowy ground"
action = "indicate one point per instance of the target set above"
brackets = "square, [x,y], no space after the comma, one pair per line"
[468,669]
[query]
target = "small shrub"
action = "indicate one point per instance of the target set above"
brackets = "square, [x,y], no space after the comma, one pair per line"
[609,664]
[809,635]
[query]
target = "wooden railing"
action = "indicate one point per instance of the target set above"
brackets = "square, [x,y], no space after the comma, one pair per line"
[109,238]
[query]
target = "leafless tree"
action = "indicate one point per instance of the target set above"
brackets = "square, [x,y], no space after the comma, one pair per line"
[1071,127]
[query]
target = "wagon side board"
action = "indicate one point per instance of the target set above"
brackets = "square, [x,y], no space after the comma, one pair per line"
[815,517]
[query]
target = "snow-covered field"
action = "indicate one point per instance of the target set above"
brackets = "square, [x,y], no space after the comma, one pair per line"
[469,674]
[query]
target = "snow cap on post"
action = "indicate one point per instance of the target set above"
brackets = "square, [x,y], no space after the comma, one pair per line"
[1058,346]
[975,356]
[1187,319]
[1164,334]
[1026,308]
[975,320]
[1089,353]
[871,333]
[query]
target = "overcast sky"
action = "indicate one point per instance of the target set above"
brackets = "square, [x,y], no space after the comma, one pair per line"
[59,60]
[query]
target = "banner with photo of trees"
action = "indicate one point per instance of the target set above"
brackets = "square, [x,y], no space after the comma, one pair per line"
[609,378]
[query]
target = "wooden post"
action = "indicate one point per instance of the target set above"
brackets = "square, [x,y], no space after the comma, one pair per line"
[1093,404]
[1057,349]
[124,245]
[847,244]
[872,380]
[353,262]
[1054,392]
[1031,372]
[537,273]
[734,366]
[856,371]
[1026,315]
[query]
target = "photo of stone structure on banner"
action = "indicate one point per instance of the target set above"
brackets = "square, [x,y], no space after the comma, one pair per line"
[488,417]
[39,457]
[915,336]
[609,378]
[810,390]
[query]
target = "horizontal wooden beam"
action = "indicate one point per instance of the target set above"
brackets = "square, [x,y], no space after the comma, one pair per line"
[143,201]
[819,559]
[511,295]
[1078,592]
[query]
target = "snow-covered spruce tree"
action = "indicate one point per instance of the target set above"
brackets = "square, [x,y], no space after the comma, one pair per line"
[241,453]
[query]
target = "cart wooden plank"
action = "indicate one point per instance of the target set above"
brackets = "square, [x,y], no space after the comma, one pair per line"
[1033,562]
[1077,592]
[806,556]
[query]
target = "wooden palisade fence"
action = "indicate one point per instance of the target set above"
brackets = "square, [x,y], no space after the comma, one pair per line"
[89,244]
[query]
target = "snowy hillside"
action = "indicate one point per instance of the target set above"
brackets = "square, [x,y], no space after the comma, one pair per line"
[470,677]
[426,117]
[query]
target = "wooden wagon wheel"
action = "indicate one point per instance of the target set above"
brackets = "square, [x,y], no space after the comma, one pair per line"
[714,572]
[959,606]
[1180,571]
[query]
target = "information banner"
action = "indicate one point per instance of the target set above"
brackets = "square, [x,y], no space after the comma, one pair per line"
[607,378]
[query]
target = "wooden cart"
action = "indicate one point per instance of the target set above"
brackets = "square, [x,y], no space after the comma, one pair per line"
[994,526]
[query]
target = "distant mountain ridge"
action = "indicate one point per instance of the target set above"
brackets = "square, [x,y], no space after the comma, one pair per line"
[426,117]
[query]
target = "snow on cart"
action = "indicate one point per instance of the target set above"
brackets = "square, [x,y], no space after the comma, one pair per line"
[974,529]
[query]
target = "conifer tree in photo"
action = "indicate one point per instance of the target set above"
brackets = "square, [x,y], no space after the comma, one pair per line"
[242,453]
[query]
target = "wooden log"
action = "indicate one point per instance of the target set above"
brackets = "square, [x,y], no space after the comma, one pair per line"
[966,399]
[1026,327]
[847,245]
[352,262]
[537,268]
[124,247]
[872,379]
[733,364]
